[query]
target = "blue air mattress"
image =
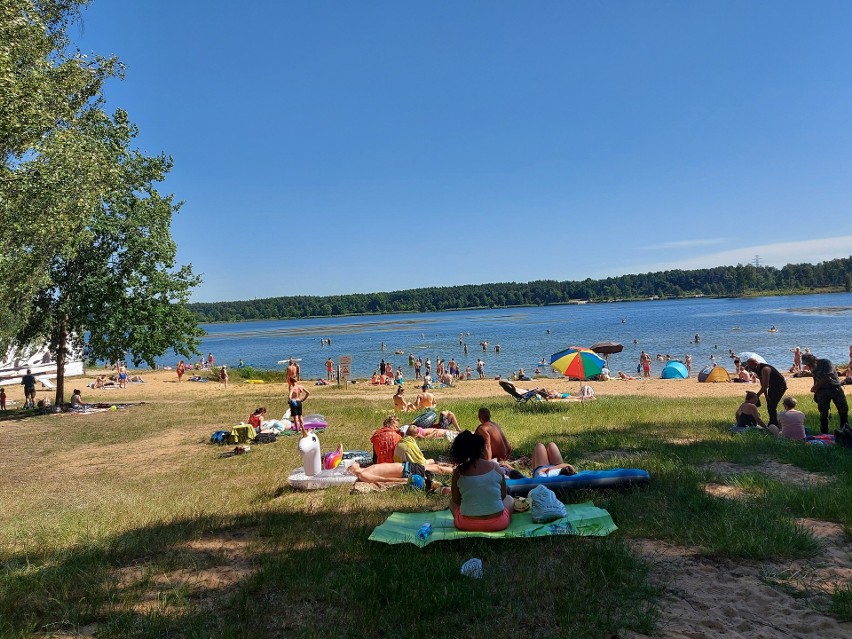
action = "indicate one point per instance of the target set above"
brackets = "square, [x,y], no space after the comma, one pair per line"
[583,479]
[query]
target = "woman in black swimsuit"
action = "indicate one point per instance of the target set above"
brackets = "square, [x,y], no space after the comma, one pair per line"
[747,414]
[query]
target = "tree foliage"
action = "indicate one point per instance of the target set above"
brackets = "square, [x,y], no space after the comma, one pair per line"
[718,281]
[44,86]
[113,272]
[86,245]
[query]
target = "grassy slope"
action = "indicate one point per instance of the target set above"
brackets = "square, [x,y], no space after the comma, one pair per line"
[115,547]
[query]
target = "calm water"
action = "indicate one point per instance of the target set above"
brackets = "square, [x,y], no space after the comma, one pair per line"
[821,322]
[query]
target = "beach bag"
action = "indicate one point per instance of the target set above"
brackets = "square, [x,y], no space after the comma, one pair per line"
[241,434]
[544,505]
[265,438]
[220,437]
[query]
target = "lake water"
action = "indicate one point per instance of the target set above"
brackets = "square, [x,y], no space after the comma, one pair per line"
[527,335]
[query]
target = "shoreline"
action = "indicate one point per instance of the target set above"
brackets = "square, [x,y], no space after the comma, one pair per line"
[163,386]
[820,291]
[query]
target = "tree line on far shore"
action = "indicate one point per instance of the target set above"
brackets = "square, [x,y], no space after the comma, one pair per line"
[721,281]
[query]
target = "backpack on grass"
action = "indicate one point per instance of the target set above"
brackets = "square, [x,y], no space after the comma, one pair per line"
[265,438]
[220,437]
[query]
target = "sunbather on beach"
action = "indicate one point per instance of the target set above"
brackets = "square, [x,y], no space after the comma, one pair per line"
[395,472]
[399,401]
[625,376]
[425,399]
[77,400]
[407,449]
[479,501]
[447,420]
[548,462]
[496,444]
[747,413]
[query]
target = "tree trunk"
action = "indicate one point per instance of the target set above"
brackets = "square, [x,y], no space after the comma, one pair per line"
[61,356]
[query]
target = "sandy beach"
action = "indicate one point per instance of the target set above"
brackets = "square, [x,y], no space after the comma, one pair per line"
[163,386]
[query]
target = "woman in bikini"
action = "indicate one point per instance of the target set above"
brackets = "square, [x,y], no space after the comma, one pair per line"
[548,462]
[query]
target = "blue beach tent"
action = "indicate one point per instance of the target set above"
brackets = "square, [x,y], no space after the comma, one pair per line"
[674,370]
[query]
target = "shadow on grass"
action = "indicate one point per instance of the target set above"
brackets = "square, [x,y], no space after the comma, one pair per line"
[300,574]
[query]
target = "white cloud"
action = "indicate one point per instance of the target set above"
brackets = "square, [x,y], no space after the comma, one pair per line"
[686,244]
[778,255]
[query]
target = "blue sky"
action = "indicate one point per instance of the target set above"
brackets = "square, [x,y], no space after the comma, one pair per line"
[341,147]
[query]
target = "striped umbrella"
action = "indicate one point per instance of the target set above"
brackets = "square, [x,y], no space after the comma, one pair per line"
[580,363]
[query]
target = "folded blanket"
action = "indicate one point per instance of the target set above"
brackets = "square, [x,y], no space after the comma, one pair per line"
[584,520]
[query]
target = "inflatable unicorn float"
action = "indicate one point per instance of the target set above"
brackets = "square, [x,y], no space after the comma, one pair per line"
[321,471]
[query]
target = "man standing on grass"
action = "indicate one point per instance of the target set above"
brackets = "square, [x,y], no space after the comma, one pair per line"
[298,395]
[29,381]
[772,386]
[826,389]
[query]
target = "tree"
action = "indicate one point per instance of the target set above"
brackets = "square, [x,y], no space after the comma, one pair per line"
[113,272]
[43,87]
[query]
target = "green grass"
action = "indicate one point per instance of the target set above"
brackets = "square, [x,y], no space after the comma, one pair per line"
[137,549]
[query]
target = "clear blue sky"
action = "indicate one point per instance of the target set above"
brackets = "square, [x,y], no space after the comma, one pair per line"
[341,147]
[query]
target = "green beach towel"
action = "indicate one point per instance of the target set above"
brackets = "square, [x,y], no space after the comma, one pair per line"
[584,520]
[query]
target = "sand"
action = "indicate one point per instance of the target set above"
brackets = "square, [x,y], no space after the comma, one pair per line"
[163,386]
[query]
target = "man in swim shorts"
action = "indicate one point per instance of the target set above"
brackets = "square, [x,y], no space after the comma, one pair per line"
[298,395]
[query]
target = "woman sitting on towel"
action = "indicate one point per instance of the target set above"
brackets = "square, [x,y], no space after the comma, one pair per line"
[747,414]
[77,400]
[478,491]
[399,401]
[547,462]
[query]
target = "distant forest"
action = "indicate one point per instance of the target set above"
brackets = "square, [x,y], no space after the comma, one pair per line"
[721,281]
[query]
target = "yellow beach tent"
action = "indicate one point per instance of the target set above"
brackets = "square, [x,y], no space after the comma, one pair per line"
[714,373]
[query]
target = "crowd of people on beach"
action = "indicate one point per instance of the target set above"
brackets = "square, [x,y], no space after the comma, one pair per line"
[479,464]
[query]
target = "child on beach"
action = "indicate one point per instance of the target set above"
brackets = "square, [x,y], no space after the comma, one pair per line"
[2,399]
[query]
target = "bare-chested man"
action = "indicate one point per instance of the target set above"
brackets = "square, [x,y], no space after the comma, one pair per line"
[292,374]
[425,399]
[298,395]
[497,447]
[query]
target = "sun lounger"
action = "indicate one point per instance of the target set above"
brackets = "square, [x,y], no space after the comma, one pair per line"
[521,396]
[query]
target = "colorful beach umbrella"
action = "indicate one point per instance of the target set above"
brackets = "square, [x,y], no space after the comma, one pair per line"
[580,363]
